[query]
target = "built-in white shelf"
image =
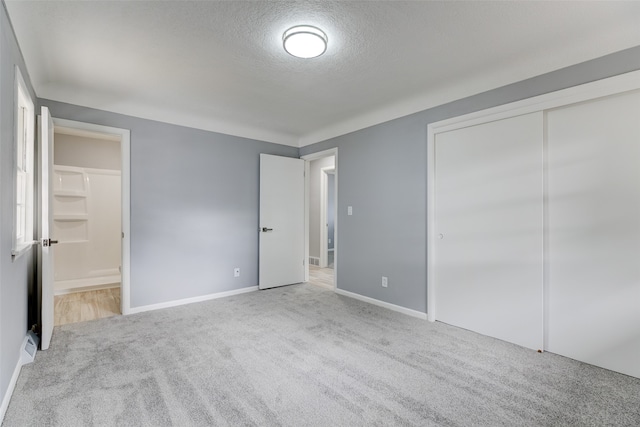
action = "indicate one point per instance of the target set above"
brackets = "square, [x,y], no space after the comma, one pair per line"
[74,217]
[70,193]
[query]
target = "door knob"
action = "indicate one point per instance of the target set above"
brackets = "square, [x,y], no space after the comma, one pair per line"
[265,229]
[49,242]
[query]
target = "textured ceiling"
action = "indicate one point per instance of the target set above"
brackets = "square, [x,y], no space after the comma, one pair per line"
[219,65]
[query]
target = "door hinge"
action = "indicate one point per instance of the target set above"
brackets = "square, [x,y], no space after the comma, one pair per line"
[123,234]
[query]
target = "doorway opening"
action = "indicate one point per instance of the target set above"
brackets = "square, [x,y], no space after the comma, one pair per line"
[87,223]
[327,216]
[321,179]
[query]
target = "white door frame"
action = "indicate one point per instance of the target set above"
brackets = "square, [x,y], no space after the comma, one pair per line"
[307,186]
[45,214]
[324,201]
[599,88]
[125,150]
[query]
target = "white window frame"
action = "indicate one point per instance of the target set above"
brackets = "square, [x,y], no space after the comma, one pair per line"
[23,167]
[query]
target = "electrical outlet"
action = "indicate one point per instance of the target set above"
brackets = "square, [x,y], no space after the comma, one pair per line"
[236,272]
[385,282]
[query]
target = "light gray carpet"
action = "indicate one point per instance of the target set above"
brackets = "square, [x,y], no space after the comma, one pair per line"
[304,356]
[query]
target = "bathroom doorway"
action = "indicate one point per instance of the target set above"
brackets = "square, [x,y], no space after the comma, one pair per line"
[87,223]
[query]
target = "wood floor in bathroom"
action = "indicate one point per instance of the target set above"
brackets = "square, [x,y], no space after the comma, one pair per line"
[83,306]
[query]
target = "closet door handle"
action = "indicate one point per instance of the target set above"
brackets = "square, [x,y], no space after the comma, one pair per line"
[265,229]
[49,242]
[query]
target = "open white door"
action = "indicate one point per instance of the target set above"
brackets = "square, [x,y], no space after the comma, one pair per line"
[281,221]
[45,267]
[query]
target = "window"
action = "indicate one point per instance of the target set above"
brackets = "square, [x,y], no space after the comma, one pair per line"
[24,167]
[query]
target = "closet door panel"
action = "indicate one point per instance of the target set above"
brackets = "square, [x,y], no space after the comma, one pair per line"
[593,295]
[489,195]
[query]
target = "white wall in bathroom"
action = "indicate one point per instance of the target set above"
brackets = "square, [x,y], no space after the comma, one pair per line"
[87,213]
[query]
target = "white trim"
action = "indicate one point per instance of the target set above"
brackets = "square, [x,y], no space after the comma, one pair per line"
[320,154]
[545,236]
[605,87]
[307,180]
[22,249]
[12,383]
[184,301]
[324,231]
[84,285]
[421,102]
[89,170]
[431,223]
[600,88]
[83,133]
[21,92]
[124,135]
[160,113]
[307,184]
[383,304]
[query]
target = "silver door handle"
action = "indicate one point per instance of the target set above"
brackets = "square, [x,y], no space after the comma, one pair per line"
[49,242]
[265,229]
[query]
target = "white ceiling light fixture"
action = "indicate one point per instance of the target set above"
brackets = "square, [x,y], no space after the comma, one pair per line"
[304,41]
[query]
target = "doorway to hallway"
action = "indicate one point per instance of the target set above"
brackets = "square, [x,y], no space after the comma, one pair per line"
[321,179]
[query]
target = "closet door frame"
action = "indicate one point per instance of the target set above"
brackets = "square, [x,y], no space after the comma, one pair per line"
[588,91]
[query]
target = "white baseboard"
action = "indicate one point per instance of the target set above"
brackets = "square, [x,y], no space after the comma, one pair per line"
[399,309]
[184,301]
[85,289]
[107,279]
[12,384]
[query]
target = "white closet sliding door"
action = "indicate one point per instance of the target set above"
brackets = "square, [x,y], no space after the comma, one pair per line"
[489,227]
[593,295]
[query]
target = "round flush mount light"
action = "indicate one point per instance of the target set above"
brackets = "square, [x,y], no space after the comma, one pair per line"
[304,41]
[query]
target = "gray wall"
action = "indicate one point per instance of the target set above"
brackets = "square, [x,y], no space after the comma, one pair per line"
[194,206]
[314,202]
[396,210]
[16,276]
